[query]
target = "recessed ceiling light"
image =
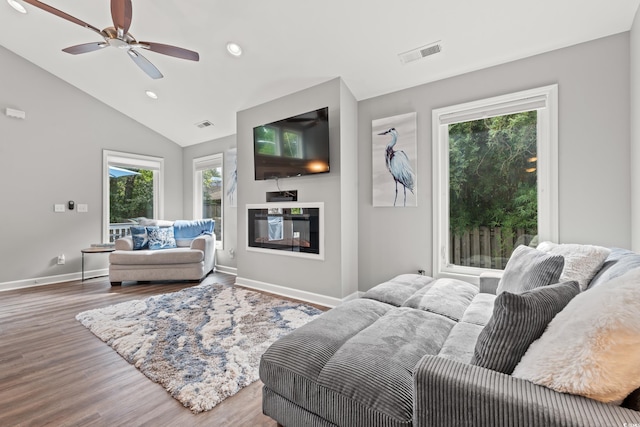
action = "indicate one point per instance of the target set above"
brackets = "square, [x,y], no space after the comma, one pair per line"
[151,94]
[17,6]
[234,49]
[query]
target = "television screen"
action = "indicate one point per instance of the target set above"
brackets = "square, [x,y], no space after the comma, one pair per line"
[294,146]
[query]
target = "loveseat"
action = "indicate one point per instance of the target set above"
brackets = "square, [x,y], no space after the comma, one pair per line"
[419,351]
[164,250]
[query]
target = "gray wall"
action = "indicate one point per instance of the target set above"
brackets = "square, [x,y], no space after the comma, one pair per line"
[308,275]
[225,260]
[594,167]
[635,131]
[54,156]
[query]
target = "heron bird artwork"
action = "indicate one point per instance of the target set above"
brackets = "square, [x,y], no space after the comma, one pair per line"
[398,165]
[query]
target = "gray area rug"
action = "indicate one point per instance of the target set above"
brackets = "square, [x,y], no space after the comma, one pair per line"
[203,344]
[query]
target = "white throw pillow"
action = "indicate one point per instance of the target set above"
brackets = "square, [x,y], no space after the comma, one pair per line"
[592,347]
[581,262]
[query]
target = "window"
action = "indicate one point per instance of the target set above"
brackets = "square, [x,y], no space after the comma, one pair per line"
[208,191]
[495,179]
[132,188]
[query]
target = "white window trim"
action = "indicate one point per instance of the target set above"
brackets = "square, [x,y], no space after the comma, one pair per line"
[140,161]
[199,164]
[545,101]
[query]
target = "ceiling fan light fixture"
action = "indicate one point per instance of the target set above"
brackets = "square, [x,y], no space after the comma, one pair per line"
[151,94]
[17,6]
[234,49]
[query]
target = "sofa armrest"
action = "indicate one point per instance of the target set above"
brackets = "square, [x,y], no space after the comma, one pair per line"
[206,244]
[124,243]
[450,393]
[489,281]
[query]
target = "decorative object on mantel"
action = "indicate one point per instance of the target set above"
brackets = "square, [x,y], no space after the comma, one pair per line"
[203,343]
[394,160]
[231,181]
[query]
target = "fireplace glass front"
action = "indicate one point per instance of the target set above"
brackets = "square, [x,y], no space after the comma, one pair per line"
[293,229]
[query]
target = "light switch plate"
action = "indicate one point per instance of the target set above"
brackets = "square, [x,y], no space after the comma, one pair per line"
[83,207]
[58,207]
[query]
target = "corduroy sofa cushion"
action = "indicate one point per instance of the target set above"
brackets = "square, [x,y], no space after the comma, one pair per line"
[335,368]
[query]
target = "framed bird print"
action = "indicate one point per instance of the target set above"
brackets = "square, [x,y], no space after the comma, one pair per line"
[394,148]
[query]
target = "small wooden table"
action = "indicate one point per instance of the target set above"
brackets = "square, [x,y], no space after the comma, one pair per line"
[94,250]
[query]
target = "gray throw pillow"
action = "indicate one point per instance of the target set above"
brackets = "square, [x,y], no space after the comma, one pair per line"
[517,321]
[529,268]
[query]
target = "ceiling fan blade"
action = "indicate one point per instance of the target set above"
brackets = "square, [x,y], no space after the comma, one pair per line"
[121,12]
[166,49]
[84,48]
[144,63]
[62,15]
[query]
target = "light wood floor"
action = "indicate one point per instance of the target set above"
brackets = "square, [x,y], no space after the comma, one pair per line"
[53,371]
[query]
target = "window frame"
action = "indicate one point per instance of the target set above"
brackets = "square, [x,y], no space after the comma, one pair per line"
[545,101]
[131,160]
[198,165]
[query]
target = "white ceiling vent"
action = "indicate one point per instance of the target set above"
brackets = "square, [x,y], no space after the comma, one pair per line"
[204,124]
[421,52]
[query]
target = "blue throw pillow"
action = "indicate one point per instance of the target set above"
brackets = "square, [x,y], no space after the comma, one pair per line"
[161,238]
[190,229]
[139,237]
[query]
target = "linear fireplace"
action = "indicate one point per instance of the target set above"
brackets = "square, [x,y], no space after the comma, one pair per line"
[286,228]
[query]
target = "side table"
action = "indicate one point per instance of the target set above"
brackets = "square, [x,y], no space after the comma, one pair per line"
[94,250]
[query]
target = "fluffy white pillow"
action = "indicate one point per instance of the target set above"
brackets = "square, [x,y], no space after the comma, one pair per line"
[581,262]
[592,347]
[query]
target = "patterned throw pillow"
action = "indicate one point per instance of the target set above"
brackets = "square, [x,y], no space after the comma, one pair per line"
[161,238]
[517,321]
[529,268]
[139,237]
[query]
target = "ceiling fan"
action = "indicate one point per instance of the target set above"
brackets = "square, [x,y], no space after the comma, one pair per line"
[118,36]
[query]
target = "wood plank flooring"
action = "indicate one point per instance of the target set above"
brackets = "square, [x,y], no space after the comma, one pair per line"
[54,372]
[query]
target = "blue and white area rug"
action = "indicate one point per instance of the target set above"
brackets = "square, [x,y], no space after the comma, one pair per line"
[203,344]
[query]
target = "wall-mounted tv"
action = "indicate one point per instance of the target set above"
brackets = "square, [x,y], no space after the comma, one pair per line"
[295,146]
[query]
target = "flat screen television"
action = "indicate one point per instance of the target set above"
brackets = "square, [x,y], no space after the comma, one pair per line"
[295,146]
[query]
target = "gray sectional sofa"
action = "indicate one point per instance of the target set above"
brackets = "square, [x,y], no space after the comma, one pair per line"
[405,355]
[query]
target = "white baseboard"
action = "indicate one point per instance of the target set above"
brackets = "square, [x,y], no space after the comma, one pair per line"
[295,293]
[226,269]
[48,280]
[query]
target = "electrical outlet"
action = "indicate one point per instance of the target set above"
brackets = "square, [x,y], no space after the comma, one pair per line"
[83,207]
[58,207]
[61,259]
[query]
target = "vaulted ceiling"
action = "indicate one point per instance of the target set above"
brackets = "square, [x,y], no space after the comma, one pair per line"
[289,45]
